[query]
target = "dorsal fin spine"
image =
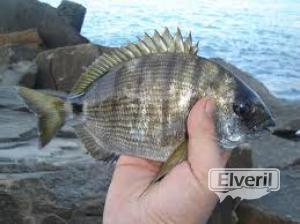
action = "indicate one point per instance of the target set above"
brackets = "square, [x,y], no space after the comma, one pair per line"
[158,40]
[113,58]
[129,53]
[146,48]
[121,54]
[107,60]
[154,48]
[136,49]
[133,50]
[179,41]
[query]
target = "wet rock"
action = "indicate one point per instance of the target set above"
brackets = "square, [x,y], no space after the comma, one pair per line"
[73,13]
[21,73]
[29,38]
[60,68]
[18,15]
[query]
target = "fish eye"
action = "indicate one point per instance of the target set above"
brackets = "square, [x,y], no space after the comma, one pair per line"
[242,109]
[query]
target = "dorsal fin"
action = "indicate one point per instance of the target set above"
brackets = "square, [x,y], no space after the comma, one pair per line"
[158,43]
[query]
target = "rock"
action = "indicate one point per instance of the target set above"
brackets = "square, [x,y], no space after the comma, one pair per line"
[53,219]
[16,66]
[89,211]
[72,194]
[10,100]
[60,68]
[73,13]
[29,38]
[13,129]
[282,207]
[240,157]
[16,52]
[20,73]
[9,210]
[18,15]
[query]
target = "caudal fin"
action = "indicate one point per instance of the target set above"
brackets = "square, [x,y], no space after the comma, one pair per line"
[50,110]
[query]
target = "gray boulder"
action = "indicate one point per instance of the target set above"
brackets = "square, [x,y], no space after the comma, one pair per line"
[10,100]
[14,53]
[17,66]
[29,38]
[17,15]
[281,207]
[73,193]
[73,13]
[20,73]
[60,68]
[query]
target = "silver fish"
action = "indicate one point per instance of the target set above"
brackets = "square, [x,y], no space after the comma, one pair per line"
[135,100]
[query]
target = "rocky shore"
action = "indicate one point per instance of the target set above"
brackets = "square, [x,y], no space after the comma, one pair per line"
[41,47]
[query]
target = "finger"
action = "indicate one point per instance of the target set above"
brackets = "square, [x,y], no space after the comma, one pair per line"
[204,152]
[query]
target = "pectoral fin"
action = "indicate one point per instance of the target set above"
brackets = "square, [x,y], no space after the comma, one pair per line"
[179,155]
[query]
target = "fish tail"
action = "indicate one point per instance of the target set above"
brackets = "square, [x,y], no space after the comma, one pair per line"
[51,111]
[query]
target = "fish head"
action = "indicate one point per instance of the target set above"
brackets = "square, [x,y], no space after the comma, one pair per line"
[245,116]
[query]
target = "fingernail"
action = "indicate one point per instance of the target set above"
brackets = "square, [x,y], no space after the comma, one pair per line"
[210,107]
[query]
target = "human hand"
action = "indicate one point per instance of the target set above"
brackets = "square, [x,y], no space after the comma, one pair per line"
[182,196]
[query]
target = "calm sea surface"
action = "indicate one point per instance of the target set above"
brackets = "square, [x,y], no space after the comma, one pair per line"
[261,37]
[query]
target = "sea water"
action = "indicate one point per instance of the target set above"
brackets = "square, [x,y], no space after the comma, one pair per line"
[261,37]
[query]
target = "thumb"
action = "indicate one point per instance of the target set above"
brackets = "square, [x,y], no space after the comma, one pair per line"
[204,152]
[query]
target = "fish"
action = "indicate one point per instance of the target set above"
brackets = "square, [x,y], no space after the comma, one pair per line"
[135,100]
